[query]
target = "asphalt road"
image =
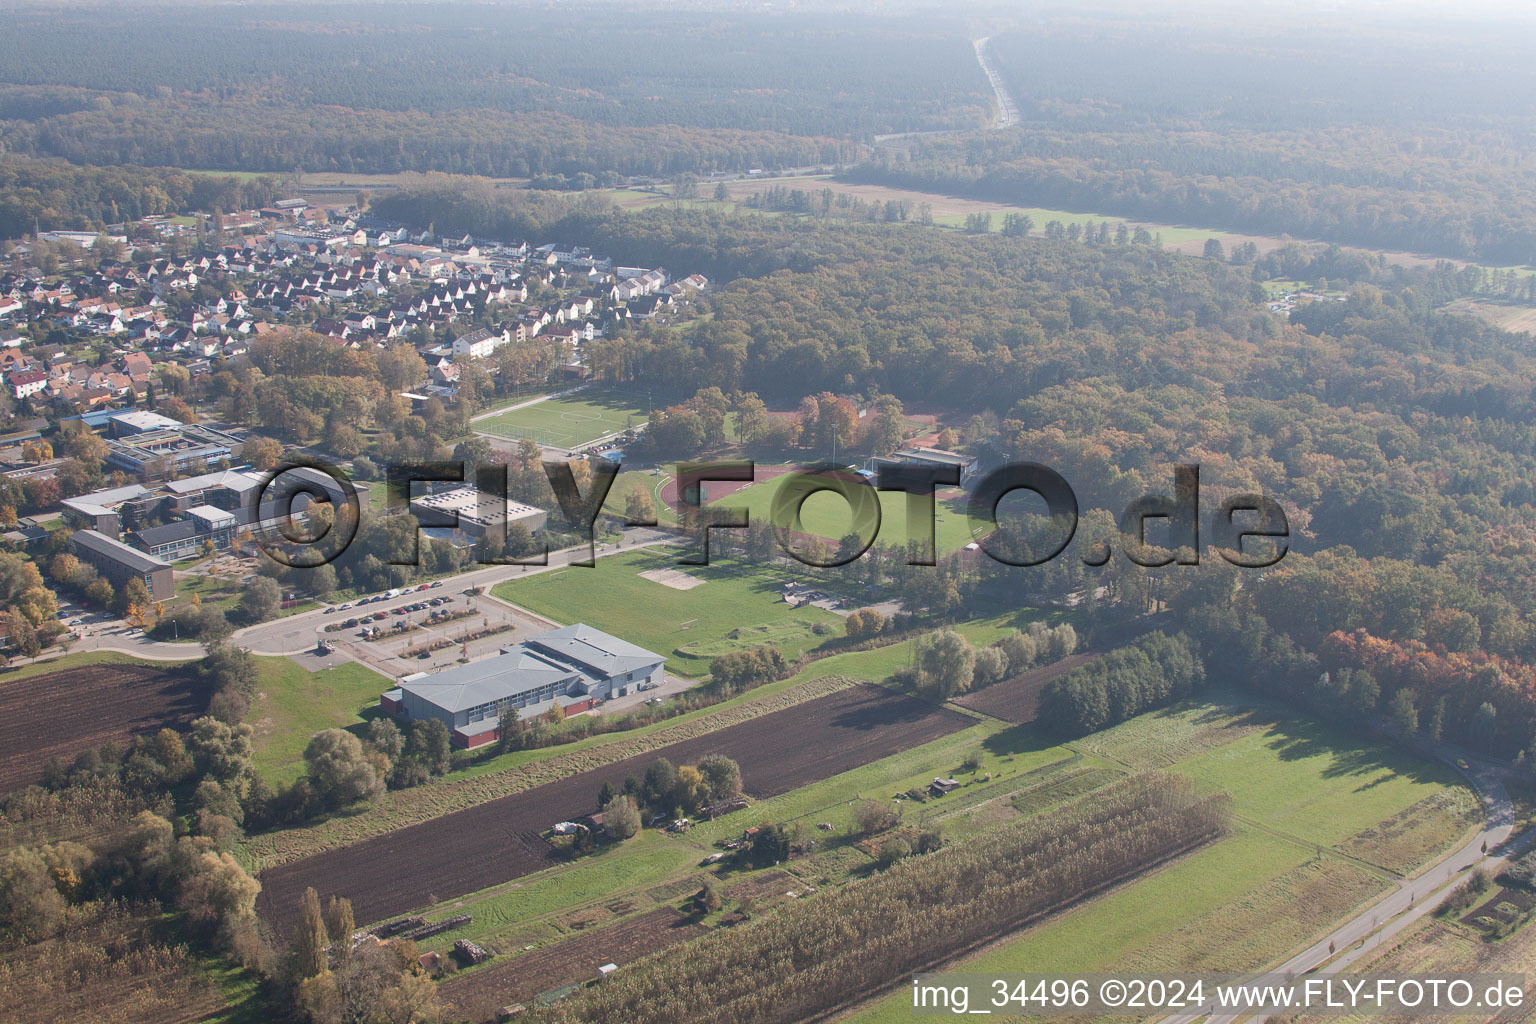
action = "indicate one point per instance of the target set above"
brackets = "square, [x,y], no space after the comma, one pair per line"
[1364,935]
[297,635]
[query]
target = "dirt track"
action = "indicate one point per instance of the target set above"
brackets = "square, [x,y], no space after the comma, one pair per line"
[499,840]
[60,714]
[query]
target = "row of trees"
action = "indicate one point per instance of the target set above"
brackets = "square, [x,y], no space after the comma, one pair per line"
[54,195]
[332,982]
[945,664]
[1472,214]
[915,914]
[1152,672]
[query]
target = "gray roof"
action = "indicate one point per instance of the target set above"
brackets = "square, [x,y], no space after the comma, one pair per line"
[466,686]
[167,534]
[101,502]
[591,649]
[537,661]
[210,515]
[230,478]
[116,550]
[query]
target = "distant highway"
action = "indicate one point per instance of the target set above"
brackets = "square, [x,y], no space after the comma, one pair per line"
[1008,111]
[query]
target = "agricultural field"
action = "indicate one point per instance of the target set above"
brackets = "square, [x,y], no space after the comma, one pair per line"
[1438,947]
[657,867]
[1510,316]
[60,713]
[497,841]
[572,419]
[947,211]
[292,704]
[1292,866]
[479,995]
[734,606]
[1013,700]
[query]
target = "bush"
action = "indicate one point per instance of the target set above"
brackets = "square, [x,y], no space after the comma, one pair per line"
[621,817]
[871,816]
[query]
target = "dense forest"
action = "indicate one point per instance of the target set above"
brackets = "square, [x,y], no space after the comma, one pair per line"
[54,195]
[465,89]
[1460,194]
[1399,438]
[1251,67]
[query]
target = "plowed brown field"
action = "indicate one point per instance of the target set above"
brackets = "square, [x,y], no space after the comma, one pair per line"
[498,841]
[62,713]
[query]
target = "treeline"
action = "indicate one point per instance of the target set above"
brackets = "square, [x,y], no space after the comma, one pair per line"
[1397,436]
[1451,196]
[486,91]
[945,664]
[800,963]
[252,136]
[1152,672]
[795,73]
[54,195]
[825,203]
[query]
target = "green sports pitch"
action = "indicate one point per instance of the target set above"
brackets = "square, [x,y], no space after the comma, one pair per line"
[569,420]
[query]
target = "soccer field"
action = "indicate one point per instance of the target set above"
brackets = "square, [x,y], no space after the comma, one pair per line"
[736,606]
[570,420]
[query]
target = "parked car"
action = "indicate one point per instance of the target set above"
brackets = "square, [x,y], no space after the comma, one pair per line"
[328,611]
[435,583]
[424,586]
[346,606]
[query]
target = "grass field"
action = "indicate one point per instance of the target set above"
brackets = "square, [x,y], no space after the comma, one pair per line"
[643,480]
[1510,316]
[828,515]
[570,420]
[81,659]
[614,597]
[293,704]
[1245,901]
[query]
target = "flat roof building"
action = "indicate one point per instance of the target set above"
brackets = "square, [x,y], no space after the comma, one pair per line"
[476,512]
[117,563]
[917,455]
[171,452]
[573,666]
[106,511]
[139,421]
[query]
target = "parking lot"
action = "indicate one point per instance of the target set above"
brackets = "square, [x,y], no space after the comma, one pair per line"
[391,634]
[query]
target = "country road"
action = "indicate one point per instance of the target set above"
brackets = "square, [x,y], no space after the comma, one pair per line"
[1365,934]
[1007,110]
[298,634]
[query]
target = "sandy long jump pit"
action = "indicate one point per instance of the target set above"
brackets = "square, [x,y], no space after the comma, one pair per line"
[674,578]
